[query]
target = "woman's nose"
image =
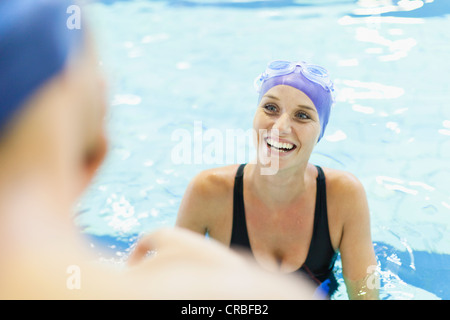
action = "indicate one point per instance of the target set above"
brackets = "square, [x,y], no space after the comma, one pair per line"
[283,124]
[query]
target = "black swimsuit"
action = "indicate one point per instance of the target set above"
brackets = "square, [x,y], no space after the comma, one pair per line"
[321,256]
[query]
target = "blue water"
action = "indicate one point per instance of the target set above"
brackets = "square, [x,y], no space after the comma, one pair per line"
[189,66]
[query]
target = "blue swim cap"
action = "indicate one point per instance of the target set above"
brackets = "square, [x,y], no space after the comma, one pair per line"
[35,43]
[311,79]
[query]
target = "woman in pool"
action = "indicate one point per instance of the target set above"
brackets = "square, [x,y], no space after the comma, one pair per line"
[291,214]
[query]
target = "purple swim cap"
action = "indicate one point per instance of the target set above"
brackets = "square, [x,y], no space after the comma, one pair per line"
[35,43]
[312,80]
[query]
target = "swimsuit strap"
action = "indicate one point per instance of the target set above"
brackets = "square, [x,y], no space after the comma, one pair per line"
[239,235]
[321,255]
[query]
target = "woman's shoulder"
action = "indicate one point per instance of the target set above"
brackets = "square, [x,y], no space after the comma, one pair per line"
[214,182]
[341,177]
[342,183]
[346,202]
[346,196]
[207,199]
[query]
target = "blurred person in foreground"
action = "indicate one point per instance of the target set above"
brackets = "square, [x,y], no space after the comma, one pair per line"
[52,141]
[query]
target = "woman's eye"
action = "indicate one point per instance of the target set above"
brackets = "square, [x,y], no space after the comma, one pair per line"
[270,107]
[302,116]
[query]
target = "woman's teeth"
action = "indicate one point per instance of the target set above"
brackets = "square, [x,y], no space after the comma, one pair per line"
[283,146]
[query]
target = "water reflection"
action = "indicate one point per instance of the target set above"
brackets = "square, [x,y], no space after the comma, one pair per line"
[402,266]
[351,90]
[403,8]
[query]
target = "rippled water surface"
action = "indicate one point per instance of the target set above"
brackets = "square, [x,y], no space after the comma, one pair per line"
[187,67]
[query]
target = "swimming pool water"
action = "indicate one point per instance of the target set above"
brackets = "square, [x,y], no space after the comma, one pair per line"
[189,66]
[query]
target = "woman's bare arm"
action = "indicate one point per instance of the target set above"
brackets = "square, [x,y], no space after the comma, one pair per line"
[359,262]
[195,205]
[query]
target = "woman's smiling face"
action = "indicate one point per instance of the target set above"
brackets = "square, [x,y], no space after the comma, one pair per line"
[287,124]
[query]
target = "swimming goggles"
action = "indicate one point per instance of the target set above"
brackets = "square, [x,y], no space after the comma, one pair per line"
[312,72]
